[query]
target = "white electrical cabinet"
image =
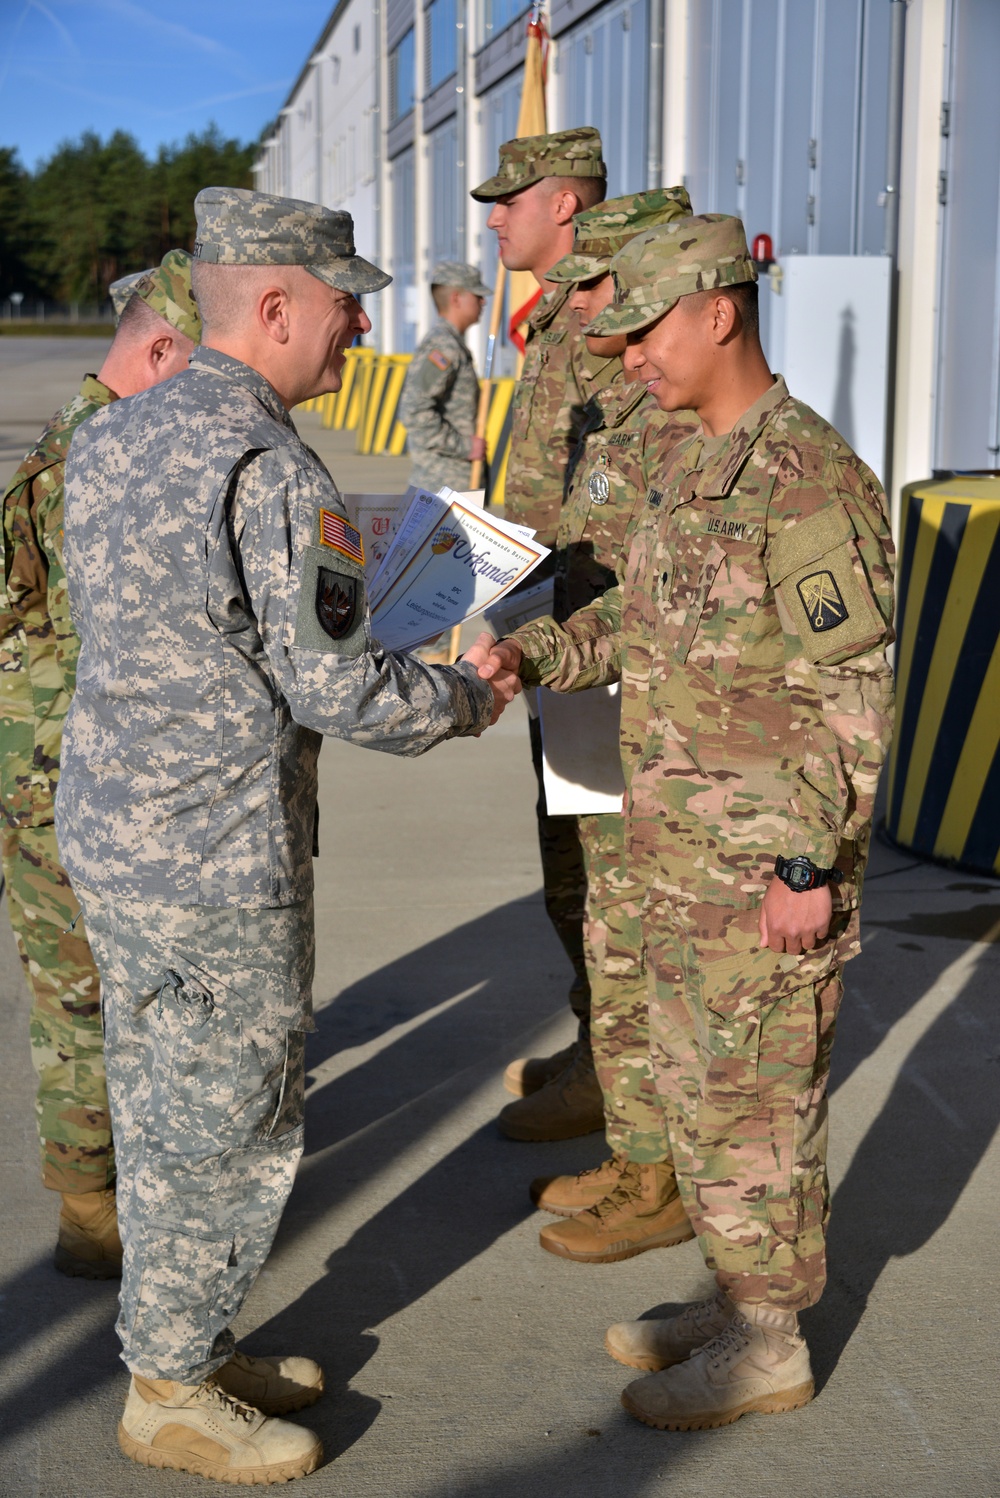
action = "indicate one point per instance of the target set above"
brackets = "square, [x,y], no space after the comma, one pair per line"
[828,334]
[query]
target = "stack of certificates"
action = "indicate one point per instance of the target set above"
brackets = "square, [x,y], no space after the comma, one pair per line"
[446,562]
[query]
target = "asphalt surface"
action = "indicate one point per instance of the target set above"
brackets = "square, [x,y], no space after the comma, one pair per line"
[460,1359]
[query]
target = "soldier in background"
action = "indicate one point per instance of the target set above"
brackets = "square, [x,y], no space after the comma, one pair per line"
[220,595]
[158,327]
[750,638]
[630,1203]
[441,392]
[541,183]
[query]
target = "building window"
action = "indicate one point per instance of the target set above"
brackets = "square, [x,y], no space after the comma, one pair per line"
[446,208]
[402,67]
[500,13]
[442,42]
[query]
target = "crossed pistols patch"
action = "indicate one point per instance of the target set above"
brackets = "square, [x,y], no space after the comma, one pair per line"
[822,600]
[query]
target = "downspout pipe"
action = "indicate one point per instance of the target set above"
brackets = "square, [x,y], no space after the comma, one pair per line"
[894,134]
[654,90]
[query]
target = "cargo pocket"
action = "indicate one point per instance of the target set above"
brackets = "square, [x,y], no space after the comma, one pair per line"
[816,568]
[271,1093]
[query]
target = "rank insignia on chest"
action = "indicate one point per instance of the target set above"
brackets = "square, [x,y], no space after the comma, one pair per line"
[336,602]
[598,488]
[822,600]
[340,535]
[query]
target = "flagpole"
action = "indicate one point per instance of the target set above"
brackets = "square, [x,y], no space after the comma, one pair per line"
[485,390]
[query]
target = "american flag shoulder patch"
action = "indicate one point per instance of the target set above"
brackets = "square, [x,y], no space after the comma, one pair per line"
[340,535]
[438,359]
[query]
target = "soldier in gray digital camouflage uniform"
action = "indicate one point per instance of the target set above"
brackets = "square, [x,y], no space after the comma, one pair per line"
[218,590]
[441,393]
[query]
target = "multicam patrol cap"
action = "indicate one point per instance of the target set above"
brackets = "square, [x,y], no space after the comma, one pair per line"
[240,227]
[458,273]
[166,290]
[657,268]
[599,233]
[565,153]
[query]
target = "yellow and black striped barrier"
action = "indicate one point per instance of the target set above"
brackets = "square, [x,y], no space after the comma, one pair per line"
[944,774]
[367,404]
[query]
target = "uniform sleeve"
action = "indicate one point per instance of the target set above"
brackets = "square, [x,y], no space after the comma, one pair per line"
[49,524]
[830,560]
[583,652]
[422,406]
[309,609]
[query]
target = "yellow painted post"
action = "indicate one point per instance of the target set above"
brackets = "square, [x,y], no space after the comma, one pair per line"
[944,774]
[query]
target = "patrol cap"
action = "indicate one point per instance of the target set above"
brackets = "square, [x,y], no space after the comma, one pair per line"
[458,273]
[565,153]
[657,268]
[240,227]
[599,233]
[166,290]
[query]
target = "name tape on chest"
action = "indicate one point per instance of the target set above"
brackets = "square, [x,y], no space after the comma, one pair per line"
[654,498]
[822,600]
[622,439]
[340,535]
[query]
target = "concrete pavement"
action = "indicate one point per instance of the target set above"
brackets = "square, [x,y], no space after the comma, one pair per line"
[461,1360]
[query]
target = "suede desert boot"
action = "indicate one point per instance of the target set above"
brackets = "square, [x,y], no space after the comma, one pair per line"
[88,1245]
[658,1343]
[758,1363]
[200,1428]
[565,1196]
[568,1106]
[275,1386]
[643,1211]
[529,1073]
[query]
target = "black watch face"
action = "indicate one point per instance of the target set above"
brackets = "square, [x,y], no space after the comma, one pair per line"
[800,877]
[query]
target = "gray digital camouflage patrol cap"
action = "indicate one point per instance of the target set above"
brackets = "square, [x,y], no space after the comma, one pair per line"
[166,290]
[530,158]
[240,227]
[458,273]
[599,233]
[657,268]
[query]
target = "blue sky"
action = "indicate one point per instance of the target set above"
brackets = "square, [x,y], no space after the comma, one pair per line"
[156,68]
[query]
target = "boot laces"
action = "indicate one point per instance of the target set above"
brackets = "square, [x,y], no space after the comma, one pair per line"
[732,1341]
[228,1403]
[693,1319]
[625,1192]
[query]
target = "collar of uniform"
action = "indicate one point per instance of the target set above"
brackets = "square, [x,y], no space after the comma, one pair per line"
[626,394]
[95,390]
[215,362]
[549,307]
[599,372]
[442,326]
[719,474]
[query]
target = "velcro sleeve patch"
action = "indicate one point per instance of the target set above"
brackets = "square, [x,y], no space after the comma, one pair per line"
[438,359]
[820,579]
[332,609]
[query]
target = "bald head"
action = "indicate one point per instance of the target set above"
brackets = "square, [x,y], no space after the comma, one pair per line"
[228,295]
[146,349]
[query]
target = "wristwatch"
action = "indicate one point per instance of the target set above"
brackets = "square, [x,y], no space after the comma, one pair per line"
[801,874]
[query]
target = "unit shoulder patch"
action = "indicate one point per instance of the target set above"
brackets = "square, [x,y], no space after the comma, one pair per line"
[822,600]
[339,535]
[337,597]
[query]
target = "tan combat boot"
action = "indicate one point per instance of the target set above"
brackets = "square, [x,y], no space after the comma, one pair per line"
[199,1428]
[88,1245]
[275,1386]
[643,1211]
[660,1343]
[565,1196]
[759,1362]
[529,1073]
[568,1106]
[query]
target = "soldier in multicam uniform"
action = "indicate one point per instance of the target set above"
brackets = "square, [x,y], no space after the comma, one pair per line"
[158,329]
[750,639]
[219,592]
[441,392]
[630,1203]
[541,183]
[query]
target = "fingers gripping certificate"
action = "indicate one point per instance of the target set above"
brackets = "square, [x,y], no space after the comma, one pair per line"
[447,562]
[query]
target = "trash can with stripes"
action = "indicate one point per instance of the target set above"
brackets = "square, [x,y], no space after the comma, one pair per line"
[944,769]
